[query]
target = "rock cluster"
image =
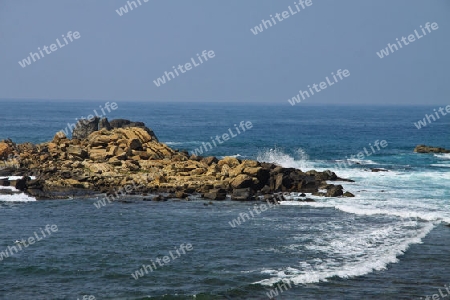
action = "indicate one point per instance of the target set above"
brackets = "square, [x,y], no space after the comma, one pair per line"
[428,149]
[103,156]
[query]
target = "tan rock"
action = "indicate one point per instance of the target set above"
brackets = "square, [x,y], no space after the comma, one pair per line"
[58,137]
[5,150]
[251,163]
[134,144]
[252,171]
[213,170]
[230,161]
[140,154]
[237,170]
[115,161]
[111,150]
[100,141]
[75,183]
[134,133]
[225,170]
[98,154]
[53,148]
[77,151]
[241,181]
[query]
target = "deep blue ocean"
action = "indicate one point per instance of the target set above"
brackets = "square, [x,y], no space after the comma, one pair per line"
[391,241]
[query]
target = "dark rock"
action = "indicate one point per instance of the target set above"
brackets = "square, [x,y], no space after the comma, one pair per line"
[80,178]
[37,193]
[84,128]
[66,175]
[210,160]
[241,182]
[216,194]
[8,192]
[119,123]
[308,200]
[378,170]
[335,191]
[4,182]
[308,185]
[135,124]
[319,194]
[20,184]
[157,198]
[104,123]
[265,189]
[242,194]
[180,195]
[195,157]
[348,194]
[189,190]
[36,183]
[275,197]
[7,171]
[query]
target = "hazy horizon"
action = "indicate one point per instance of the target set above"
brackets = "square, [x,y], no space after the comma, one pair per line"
[118,58]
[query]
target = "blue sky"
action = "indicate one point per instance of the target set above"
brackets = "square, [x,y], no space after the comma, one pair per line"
[119,57]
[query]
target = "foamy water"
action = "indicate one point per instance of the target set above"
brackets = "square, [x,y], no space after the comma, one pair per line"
[413,202]
[21,197]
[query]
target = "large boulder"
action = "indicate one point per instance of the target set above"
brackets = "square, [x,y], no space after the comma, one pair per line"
[241,181]
[84,128]
[335,191]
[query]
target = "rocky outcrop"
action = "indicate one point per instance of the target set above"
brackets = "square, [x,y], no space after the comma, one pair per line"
[428,149]
[129,154]
[84,128]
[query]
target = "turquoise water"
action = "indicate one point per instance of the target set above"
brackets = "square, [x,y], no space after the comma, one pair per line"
[389,242]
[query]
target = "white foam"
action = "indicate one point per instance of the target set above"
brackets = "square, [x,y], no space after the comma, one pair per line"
[350,254]
[362,161]
[408,201]
[16,198]
[443,155]
[301,203]
[441,165]
[277,156]
[16,177]
[21,197]
[173,143]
